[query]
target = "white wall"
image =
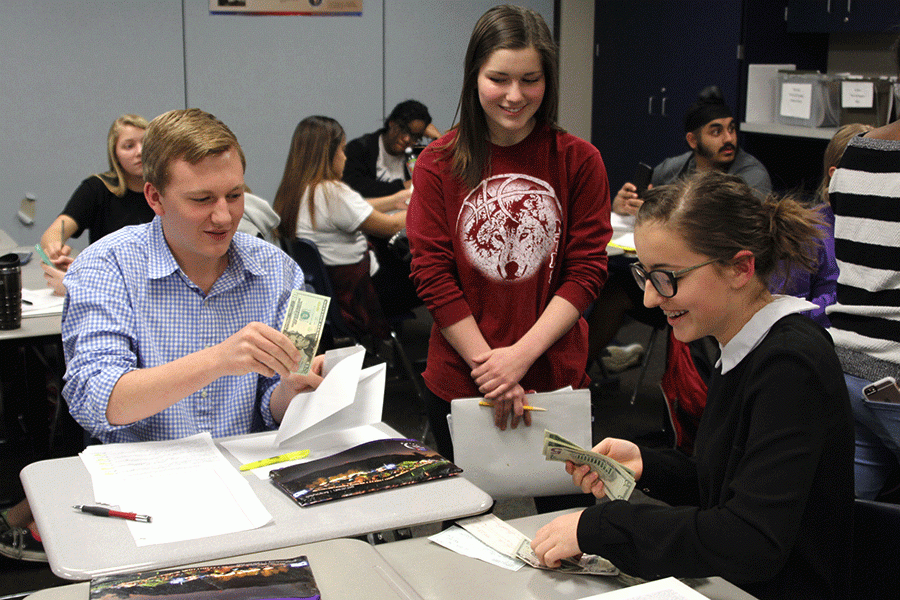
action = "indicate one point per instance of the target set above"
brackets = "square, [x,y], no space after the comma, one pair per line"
[576,66]
[68,69]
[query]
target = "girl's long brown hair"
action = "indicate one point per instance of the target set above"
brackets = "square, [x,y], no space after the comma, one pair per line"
[500,28]
[310,161]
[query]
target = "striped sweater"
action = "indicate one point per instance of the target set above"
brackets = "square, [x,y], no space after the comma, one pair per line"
[865,320]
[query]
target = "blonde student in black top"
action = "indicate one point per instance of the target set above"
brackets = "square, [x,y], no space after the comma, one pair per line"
[766,501]
[103,203]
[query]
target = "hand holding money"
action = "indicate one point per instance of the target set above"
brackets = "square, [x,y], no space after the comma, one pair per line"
[304,322]
[618,480]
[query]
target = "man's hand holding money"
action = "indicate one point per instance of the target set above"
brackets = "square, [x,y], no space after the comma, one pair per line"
[258,348]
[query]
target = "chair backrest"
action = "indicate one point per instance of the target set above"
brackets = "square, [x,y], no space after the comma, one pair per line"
[306,254]
[875,560]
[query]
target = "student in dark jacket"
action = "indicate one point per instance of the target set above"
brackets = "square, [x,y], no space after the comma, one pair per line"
[378,168]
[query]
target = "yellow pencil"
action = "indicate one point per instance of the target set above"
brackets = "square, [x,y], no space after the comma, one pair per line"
[533,408]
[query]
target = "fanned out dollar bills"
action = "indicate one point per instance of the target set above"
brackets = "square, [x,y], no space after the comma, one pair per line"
[618,480]
[304,322]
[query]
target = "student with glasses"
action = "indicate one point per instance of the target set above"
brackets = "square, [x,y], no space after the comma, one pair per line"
[766,500]
[377,168]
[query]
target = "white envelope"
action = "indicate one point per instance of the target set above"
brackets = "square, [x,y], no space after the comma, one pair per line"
[510,463]
[349,396]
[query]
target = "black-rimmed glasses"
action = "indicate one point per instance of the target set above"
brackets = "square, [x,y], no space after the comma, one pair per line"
[665,282]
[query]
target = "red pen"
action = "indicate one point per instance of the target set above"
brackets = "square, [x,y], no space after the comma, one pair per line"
[108,512]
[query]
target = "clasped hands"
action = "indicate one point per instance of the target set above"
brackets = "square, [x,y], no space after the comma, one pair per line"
[497,374]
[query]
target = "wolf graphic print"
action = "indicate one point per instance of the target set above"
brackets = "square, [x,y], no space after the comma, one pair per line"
[509,226]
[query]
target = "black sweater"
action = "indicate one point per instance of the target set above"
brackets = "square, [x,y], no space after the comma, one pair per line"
[767,500]
[361,172]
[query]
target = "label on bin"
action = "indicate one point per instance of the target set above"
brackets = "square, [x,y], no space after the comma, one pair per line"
[796,100]
[857,94]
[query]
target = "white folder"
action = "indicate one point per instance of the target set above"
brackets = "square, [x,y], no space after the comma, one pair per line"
[510,463]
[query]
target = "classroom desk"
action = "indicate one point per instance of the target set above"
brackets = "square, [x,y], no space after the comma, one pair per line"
[436,572]
[346,569]
[80,546]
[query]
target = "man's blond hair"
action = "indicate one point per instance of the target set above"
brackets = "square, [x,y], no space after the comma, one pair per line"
[190,135]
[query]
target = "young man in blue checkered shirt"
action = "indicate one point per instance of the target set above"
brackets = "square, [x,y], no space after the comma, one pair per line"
[172,328]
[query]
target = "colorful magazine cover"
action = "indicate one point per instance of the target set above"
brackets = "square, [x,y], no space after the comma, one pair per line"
[263,580]
[369,467]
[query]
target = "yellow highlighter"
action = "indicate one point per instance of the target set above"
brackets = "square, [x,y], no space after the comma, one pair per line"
[275,460]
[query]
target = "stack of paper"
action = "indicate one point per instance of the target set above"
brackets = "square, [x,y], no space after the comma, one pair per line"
[188,488]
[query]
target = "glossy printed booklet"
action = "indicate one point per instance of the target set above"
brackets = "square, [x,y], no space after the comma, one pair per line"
[269,579]
[370,467]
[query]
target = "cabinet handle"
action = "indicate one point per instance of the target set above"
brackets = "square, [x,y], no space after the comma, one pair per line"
[650,106]
[828,7]
[662,110]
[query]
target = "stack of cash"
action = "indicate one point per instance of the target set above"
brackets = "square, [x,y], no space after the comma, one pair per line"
[618,480]
[304,322]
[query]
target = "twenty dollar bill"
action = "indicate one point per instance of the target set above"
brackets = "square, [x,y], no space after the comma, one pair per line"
[304,323]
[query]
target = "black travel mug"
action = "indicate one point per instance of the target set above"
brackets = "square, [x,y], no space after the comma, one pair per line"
[10,292]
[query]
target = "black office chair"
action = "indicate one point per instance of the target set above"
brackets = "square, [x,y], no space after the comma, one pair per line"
[875,561]
[306,254]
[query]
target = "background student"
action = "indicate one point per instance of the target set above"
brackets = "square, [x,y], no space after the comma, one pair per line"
[766,502]
[314,203]
[865,197]
[103,203]
[378,168]
[710,132]
[508,226]
[820,286]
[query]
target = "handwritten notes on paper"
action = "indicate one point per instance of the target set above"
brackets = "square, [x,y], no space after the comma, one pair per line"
[186,485]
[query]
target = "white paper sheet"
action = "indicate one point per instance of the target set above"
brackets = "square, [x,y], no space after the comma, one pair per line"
[661,589]
[348,397]
[43,302]
[188,488]
[510,463]
[462,542]
[336,391]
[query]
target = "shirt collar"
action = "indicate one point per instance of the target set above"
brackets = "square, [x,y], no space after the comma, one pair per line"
[162,262]
[753,332]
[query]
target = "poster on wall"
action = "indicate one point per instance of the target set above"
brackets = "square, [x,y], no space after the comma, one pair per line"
[286,7]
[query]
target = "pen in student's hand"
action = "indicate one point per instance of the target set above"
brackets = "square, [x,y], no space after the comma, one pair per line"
[526,407]
[101,511]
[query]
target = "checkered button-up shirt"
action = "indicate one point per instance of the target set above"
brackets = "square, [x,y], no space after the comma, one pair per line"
[129,306]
